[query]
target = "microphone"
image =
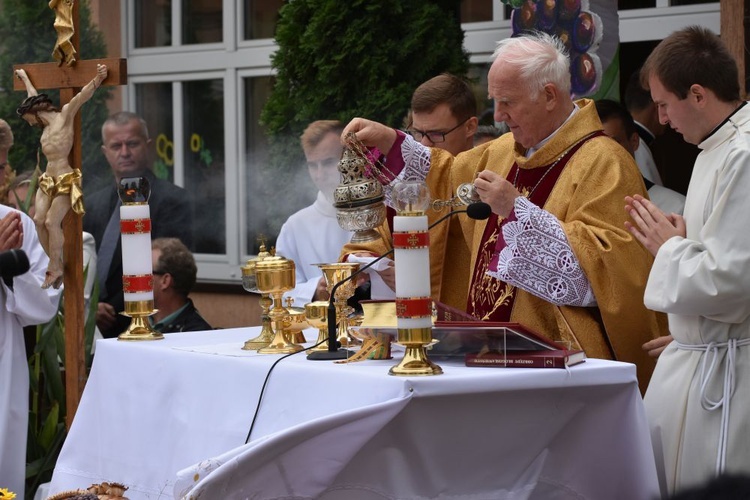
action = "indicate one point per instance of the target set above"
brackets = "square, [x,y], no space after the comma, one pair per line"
[13,263]
[476,211]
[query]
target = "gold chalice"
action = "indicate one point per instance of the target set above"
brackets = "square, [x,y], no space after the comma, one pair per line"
[274,276]
[317,316]
[296,322]
[250,284]
[335,273]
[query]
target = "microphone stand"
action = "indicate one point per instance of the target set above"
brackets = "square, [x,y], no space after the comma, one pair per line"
[333,351]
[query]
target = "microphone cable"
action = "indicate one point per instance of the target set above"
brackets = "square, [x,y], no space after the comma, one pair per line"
[265,383]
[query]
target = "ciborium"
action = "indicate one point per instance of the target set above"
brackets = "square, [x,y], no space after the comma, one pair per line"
[358,198]
[317,316]
[274,276]
[250,284]
[336,273]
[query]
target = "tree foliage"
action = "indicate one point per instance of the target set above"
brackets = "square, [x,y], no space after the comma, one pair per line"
[338,60]
[28,35]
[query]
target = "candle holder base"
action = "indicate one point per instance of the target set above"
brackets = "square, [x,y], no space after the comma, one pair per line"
[415,364]
[140,329]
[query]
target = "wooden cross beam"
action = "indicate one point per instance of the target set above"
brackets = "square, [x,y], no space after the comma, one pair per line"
[69,80]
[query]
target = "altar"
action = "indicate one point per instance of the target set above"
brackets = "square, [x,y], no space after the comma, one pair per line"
[326,430]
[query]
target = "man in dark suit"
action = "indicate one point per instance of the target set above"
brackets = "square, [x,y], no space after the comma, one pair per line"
[125,144]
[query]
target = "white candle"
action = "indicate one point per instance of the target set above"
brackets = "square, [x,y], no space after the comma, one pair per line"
[136,248]
[412,266]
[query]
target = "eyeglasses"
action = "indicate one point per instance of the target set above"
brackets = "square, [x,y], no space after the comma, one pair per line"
[434,137]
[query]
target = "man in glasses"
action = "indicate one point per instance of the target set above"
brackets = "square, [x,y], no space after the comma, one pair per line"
[442,115]
[313,235]
[553,256]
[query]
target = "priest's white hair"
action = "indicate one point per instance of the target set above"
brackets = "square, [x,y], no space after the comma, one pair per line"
[540,59]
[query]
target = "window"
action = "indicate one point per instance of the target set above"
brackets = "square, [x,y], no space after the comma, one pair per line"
[260,18]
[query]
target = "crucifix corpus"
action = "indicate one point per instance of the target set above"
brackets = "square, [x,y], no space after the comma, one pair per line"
[59,227]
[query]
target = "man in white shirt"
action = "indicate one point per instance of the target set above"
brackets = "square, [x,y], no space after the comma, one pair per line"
[313,235]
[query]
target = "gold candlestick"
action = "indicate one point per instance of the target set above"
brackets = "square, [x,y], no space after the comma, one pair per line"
[139,328]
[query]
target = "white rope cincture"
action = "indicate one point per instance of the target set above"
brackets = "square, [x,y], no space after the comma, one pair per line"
[711,350]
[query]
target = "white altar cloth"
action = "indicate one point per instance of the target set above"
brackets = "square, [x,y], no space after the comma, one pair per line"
[153,409]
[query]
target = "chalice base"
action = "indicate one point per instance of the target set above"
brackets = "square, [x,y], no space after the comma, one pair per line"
[365,235]
[321,341]
[259,342]
[415,363]
[280,348]
[139,328]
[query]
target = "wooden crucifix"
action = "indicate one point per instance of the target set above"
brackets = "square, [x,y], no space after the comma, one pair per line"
[70,78]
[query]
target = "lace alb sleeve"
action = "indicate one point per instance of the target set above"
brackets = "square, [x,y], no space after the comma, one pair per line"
[416,158]
[538,258]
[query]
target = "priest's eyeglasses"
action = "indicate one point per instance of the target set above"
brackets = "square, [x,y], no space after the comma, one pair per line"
[433,136]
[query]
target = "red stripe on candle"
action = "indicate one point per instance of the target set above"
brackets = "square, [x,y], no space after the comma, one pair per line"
[137,283]
[135,226]
[417,307]
[411,240]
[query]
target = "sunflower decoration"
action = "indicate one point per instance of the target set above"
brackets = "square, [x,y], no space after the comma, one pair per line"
[6,494]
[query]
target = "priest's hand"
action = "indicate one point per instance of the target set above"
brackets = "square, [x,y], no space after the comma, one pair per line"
[496,191]
[370,133]
[655,347]
[652,226]
[388,275]
[11,231]
[321,290]
[105,316]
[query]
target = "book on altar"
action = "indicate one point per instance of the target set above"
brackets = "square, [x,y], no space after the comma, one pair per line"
[457,334]
[559,358]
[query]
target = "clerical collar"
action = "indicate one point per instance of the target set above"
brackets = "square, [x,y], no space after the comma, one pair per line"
[544,141]
[724,122]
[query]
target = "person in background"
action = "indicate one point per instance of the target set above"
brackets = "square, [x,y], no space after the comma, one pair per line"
[443,115]
[698,399]
[643,110]
[486,133]
[619,125]
[313,235]
[174,272]
[125,145]
[23,302]
[554,255]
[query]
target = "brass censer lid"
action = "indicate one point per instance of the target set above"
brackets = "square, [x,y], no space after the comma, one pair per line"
[359,198]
